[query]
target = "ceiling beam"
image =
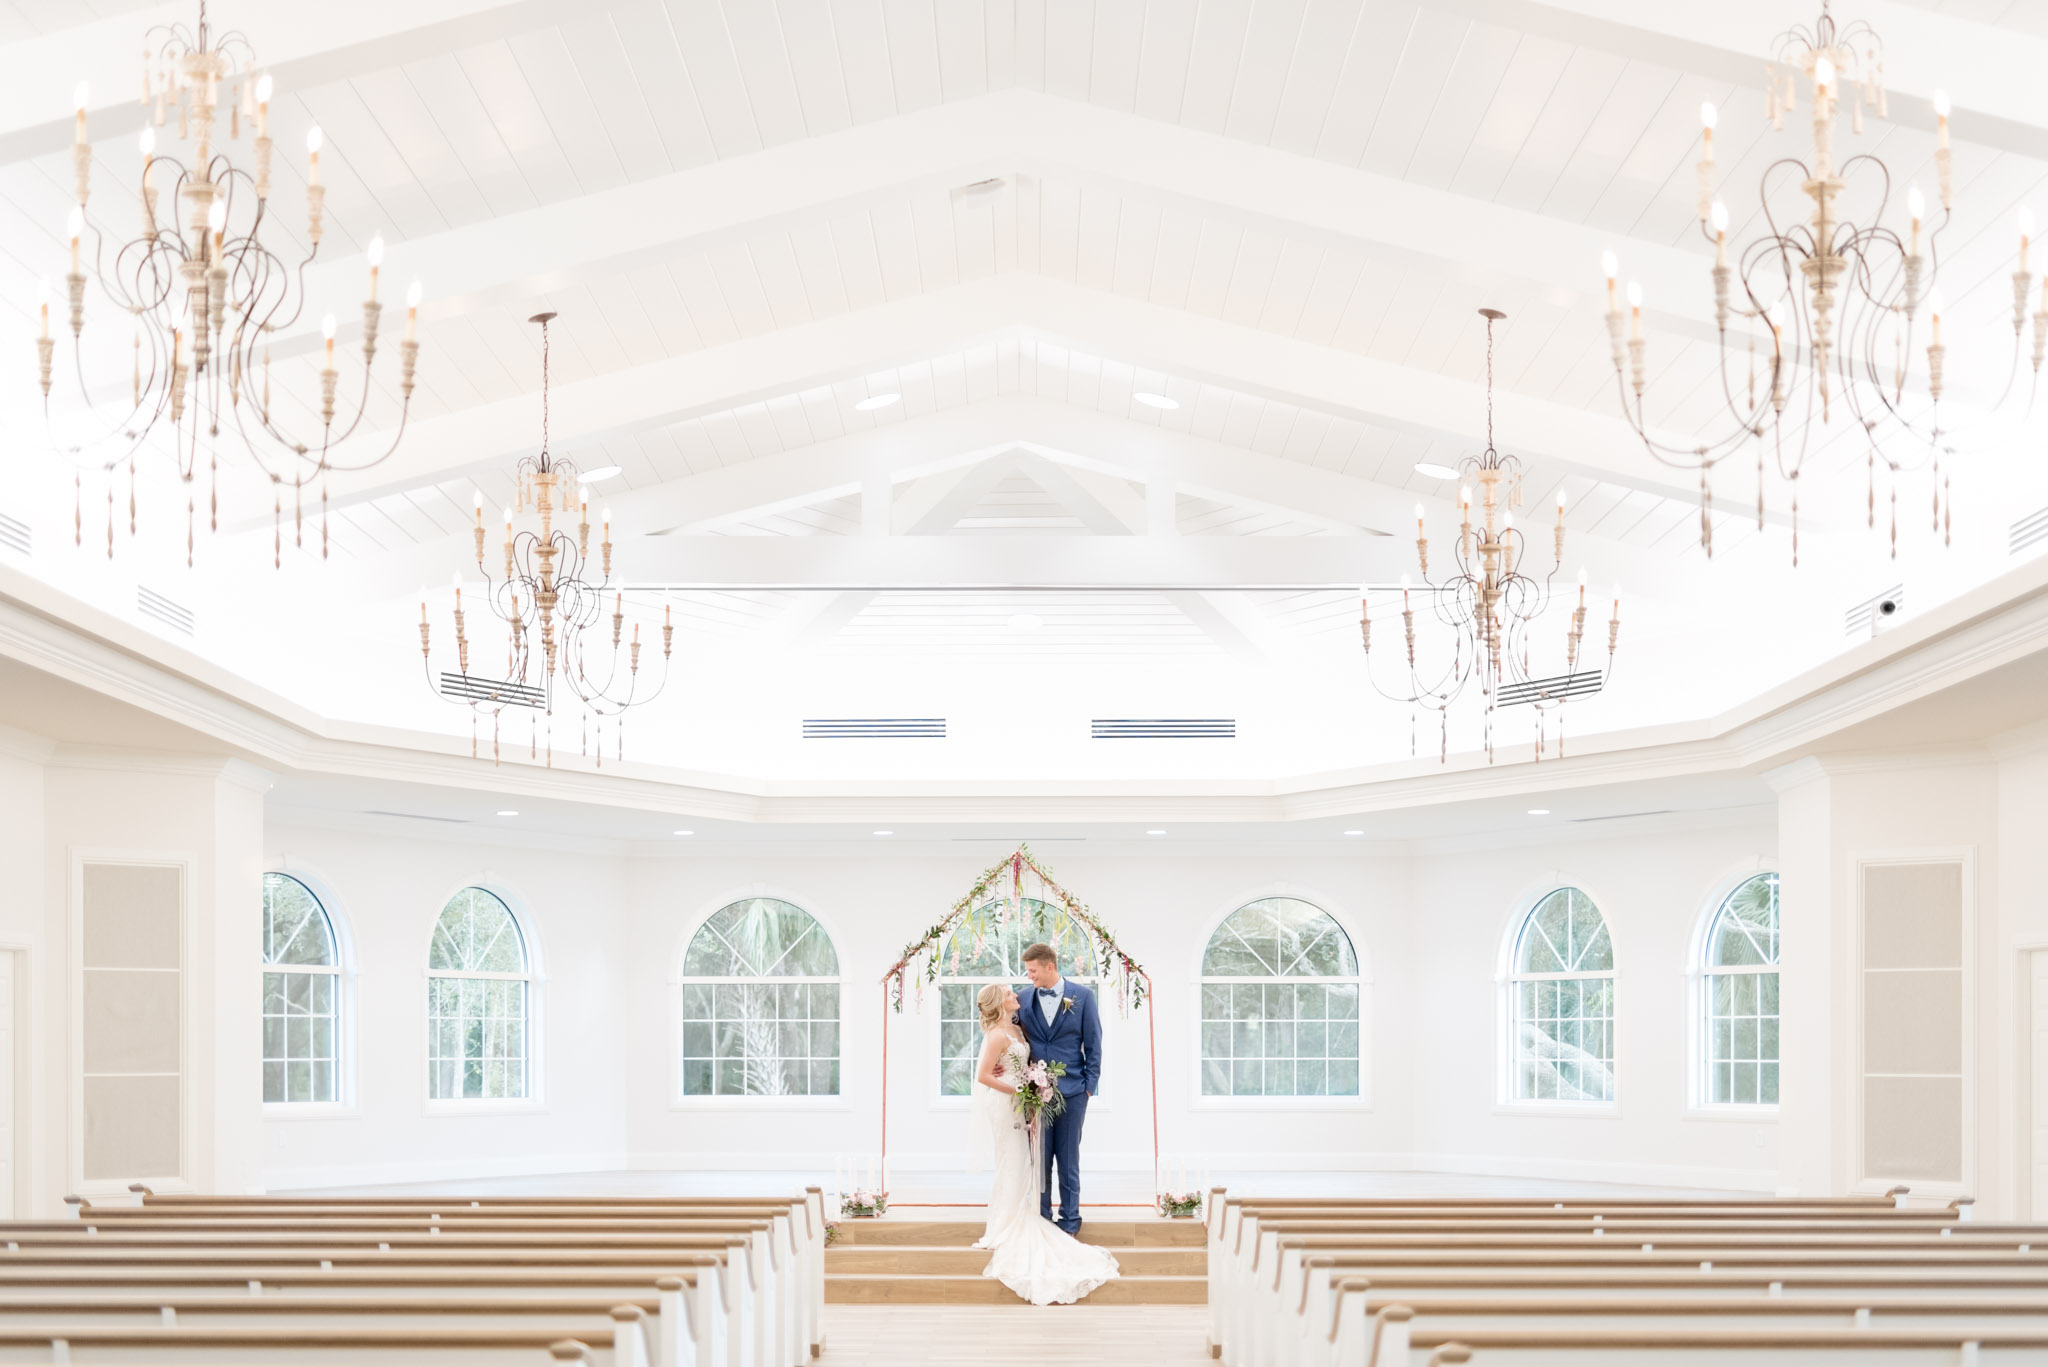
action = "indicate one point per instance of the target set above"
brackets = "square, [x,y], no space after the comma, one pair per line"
[301,46]
[1992,72]
[1370,391]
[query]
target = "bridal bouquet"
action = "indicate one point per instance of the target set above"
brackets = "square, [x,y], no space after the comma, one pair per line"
[1038,1091]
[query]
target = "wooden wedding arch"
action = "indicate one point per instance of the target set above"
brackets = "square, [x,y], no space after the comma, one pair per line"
[996,898]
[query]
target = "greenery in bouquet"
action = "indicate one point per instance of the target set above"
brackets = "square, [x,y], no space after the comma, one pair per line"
[1181,1205]
[1038,1091]
[864,1205]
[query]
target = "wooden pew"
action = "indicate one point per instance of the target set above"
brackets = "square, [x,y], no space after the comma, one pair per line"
[807,1235]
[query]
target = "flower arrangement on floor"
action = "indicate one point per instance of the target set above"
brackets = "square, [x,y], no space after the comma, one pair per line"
[863,1205]
[1123,981]
[1038,1092]
[1180,1206]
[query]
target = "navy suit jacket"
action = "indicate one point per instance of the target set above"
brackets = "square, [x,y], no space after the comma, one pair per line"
[1074,1037]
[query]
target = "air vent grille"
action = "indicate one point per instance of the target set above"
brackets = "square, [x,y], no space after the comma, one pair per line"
[1163,728]
[14,534]
[155,606]
[1556,688]
[874,728]
[467,688]
[418,816]
[2029,531]
[1856,621]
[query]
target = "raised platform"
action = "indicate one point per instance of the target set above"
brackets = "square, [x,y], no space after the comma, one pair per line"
[931,1262]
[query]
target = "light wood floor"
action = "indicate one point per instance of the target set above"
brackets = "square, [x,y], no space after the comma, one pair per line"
[975,1336]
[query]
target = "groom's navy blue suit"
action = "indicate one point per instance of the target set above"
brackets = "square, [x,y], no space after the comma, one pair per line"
[1074,1038]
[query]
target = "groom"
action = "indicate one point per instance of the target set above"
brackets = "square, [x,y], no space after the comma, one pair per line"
[1061,1025]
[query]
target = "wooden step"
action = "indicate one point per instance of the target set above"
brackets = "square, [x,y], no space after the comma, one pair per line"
[904,1259]
[903,1290]
[960,1233]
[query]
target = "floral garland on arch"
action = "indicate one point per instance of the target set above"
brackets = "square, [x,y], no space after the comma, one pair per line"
[1123,980]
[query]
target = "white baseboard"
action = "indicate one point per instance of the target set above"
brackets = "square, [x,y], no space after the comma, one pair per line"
[438,1170]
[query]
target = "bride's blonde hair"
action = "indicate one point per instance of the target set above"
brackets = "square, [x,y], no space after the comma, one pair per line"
[990,1002]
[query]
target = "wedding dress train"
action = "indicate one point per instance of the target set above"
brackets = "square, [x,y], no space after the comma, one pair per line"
[1032,1256]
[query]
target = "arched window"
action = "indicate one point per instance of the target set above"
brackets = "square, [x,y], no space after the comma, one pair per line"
[1562,989]
[760,1004]
[980,952]
[1741,996]
[479,1002]
[1280,992]
[301,995]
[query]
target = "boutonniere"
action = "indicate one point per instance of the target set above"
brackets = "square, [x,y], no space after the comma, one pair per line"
[1066,1004]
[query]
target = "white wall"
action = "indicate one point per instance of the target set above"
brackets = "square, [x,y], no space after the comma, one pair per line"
[1653,890]
[1161,909]
[386,892]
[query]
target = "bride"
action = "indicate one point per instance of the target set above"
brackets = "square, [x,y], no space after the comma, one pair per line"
[1033,1257]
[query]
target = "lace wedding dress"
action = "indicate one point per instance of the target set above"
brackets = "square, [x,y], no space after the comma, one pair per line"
[1033,1257]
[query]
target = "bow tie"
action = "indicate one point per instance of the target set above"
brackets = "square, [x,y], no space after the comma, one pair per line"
[1048,992]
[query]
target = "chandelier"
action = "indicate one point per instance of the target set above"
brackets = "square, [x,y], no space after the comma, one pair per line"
[553,611]
[1831,304]
[206,290]
[1490,605]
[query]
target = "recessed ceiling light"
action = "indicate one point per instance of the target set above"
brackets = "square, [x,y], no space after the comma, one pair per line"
[1151,400]
[1026,621]
[602,472]
[682,832]
[874,401]
[885,832]
[508,813]
[1155,832]
[1354,832]
[1434,471]
[1539,811]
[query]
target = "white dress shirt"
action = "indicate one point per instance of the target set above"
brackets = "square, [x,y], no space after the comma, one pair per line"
[1049,1007]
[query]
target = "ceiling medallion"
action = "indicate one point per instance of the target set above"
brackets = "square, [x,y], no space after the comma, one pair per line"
[554,613]
[1831,305]
[1490,606]
[206,296]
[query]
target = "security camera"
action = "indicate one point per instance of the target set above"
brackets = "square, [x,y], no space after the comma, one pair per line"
[1883,615]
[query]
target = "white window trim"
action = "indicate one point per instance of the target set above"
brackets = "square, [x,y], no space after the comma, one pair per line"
[1267,1105]
[1507,977]
[678,1100]
[534,1102]
[1100,1104]
[344,1051]
[1699,1004]
[934,1080]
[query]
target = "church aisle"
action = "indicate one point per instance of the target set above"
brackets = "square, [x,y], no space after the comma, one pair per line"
[972,1336]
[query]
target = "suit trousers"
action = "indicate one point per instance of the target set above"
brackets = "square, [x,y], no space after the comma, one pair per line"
[1063,1147]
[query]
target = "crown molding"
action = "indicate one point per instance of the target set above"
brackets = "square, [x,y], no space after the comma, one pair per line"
[2002,621]
[26,745]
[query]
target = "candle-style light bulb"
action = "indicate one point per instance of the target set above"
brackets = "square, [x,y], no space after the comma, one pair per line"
[1823,78]
[147,142]
[374,254]
[1635,308]
[264,87]
[412,309]
[74,228]
[327,332]
[1611,266]
[217,221]
[1941,112]
[1560,506]
[1717,216]
[313,140]
[1709,116]
[1934,307]
[2026,235]
[43,301]
[1916,205]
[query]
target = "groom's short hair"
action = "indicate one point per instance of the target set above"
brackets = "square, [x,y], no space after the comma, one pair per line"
[1040,953]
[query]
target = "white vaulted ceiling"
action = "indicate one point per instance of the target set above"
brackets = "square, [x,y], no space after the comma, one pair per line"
[1019,215]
